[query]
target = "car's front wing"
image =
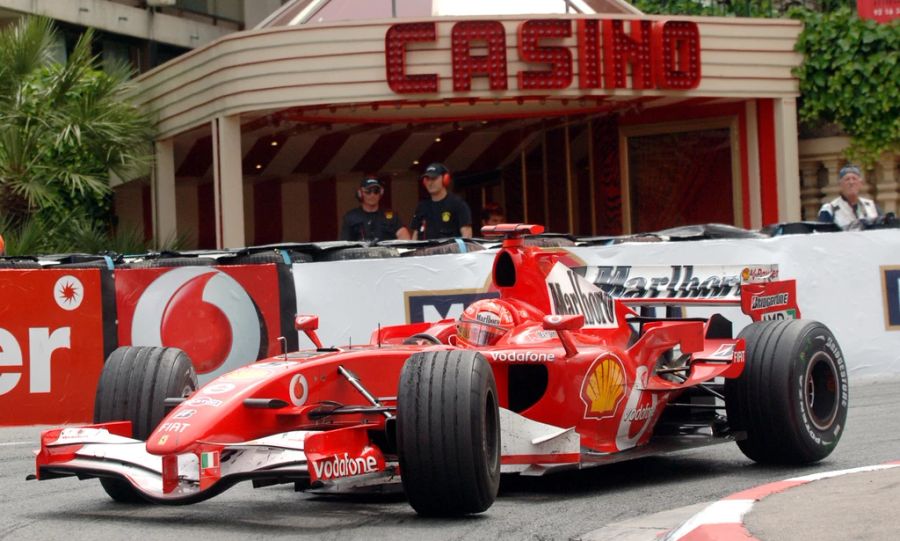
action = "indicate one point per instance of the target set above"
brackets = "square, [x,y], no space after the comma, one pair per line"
[299,456]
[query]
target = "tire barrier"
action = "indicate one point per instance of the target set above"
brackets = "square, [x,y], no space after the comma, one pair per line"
[360,252]
[447,246]
[62,316]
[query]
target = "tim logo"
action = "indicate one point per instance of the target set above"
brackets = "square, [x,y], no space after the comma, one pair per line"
[438,305]
[205,312]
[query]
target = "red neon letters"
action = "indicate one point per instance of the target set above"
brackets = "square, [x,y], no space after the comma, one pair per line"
[465,65]
[660,54]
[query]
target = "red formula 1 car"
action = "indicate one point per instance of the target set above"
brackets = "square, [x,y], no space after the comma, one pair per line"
[553,374]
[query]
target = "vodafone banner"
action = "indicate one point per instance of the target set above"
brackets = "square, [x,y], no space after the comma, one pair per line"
[222,317]
[51,344]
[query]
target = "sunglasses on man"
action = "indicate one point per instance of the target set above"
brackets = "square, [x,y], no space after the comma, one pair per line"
[372,191]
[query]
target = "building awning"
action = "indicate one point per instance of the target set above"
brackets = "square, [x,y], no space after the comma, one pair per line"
[321,142]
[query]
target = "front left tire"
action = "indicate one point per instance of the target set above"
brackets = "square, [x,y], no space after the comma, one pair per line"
[133,386]
[448,433]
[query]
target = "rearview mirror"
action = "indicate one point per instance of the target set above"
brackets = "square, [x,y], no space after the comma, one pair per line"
[308,324]
[563,323]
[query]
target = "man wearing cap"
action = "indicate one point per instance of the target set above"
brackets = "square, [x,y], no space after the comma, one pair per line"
[849,211]
[443,214]
[368,222]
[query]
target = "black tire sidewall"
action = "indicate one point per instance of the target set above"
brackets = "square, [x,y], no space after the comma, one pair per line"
[767,403]
[815,341]
[448,433]
[484,419]
[133,386]
[135,382]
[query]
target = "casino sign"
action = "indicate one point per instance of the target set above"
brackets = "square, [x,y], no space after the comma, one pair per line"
[585,115]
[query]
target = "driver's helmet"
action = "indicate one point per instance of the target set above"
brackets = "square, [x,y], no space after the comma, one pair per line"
[485,321]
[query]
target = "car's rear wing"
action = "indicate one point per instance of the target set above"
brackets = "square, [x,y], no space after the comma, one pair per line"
[755,288]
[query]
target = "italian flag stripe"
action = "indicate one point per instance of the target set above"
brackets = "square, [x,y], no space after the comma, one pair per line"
[209,459]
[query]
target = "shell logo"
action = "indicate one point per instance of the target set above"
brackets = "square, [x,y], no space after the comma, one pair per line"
[604,387]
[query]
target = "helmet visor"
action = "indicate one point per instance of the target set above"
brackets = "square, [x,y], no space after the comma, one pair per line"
[479,333]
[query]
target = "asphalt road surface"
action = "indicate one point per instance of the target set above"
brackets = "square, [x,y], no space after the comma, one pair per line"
[561,506]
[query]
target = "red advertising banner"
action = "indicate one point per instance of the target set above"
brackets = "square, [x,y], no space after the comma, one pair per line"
[882,11]
[51,345]
[222,317]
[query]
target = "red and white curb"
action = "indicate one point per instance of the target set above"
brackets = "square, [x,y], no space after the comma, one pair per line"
[724,519]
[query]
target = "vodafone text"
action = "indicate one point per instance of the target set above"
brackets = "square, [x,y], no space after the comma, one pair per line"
[343,466]
[522,357]
[41,345]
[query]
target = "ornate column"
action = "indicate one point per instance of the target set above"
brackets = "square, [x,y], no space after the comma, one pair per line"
[810,195]
[162,189]
[228,180]
[786,141]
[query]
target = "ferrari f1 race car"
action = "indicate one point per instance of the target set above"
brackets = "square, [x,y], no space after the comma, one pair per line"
[553,374]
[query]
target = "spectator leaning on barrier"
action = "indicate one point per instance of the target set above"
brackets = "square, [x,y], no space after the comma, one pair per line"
[492,214]
[849,211]
[368,222]
[443,214]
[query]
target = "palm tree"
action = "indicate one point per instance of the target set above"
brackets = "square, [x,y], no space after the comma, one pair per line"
[64,127]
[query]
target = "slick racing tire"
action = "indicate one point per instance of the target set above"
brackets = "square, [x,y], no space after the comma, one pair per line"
[258,258]
[448,433]
[19,264]
[134,385]
[791,399]
[163,262]
[549,241]
[450,246]
[361,252]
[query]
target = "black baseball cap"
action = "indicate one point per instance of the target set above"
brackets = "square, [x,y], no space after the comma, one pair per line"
[368,182]
[435,170]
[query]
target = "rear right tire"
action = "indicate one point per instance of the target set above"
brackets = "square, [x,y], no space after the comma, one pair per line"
[791,399]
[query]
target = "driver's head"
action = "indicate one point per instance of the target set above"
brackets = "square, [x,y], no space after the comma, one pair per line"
[485,321]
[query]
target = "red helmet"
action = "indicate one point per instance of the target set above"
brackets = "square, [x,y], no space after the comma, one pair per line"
[484,322]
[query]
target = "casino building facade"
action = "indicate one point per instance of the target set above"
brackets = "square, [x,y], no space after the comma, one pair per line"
[583,115]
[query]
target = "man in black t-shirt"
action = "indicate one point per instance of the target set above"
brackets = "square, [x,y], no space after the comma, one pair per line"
[443,214]
[368,222]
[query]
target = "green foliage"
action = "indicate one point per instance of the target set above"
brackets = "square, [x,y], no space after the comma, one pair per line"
[63,129]
[741,8]
[851,76]
[851,70]
[69,234]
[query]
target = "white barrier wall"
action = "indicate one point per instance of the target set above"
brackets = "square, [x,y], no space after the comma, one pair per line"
[849,281]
